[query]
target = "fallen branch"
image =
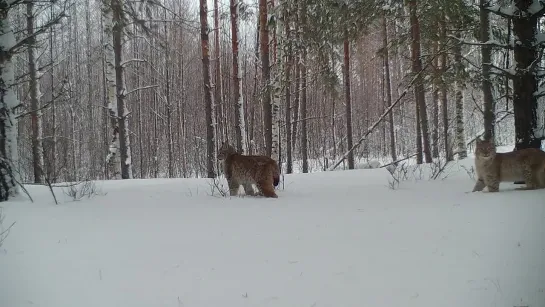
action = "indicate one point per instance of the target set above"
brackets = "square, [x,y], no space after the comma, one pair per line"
[388,110]
[397,161]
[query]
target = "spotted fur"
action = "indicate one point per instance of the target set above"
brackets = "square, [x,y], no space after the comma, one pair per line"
[494,167]
[247,170]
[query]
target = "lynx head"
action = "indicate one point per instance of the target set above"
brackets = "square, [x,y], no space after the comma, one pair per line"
[225,151]
[485,149]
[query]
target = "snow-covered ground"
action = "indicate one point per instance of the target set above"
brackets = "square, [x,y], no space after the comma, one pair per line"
[336,239]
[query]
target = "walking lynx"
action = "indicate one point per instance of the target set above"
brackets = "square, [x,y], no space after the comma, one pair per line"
[494,167]
[247,170]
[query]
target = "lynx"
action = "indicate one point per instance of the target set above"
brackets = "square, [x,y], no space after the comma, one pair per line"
[246,170]
[493,168]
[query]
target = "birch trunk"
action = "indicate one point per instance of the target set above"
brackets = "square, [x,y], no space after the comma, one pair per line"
[240,127]
[113,158]
[266,77]
[34,93]
[276,86]
[486,56]
[8,103]
[122,112]
[221,126]
[459,96]
[208,98]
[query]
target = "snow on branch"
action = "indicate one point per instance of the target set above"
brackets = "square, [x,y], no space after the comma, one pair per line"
[493,43]
[495,70]
[536,9]
[507,12]
[140,88]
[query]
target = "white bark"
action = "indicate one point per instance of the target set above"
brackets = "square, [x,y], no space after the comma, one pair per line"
[460,130]
[8,103]
[240,101]
[35,95]
[276,87]
[113,158]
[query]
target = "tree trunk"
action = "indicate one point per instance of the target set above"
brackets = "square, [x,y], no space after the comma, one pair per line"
[419,153]
[435,100]
[8,102]
[266,76]
[34,93]
[170,141]
[287,74]
[240,127]
[443,97]
[122,112]
[460,131]
[276,83]
[419,92]
[91,142]
[386,68]
[303,112]
[303,98]
[113,158]
[221,127]
[486,56]
[348,105]
[208,98]
[527,132]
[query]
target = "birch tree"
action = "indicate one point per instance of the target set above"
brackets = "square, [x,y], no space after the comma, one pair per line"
[113,158]
[240,127]
[35,96]
[266,76]
[9,103]
[208,97]
[278,39]
[486,59]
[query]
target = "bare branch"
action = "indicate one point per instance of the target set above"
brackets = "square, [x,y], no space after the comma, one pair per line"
[39,31]
[140,88]
[133,60]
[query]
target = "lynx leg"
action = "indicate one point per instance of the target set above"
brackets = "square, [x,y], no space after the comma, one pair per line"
[479,185]
[530,179]
[493,184]
[248,189]
[233,186]
[541,179]
[267,188]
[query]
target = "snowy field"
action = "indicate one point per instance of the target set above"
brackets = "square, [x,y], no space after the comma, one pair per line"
[336,239]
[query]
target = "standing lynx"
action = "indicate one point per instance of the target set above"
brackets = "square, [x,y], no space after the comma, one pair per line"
[247,170]
[493,168]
